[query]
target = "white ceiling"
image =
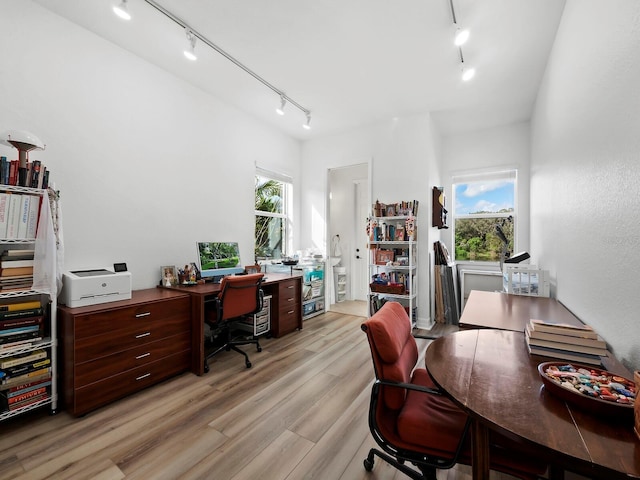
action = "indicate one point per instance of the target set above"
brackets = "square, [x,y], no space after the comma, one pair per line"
[350,62]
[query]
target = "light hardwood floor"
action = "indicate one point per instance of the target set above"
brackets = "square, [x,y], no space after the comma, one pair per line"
[299,412]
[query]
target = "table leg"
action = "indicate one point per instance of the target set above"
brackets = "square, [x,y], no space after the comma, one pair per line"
[479,451]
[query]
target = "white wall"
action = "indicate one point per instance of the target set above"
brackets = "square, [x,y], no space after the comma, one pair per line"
[497,148]
[585,169]
[146,164]
[404,166]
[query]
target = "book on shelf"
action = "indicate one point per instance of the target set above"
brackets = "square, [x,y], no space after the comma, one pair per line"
[19,252]
[25,387]
[13,218]
[26,368]
[27,402]
[24,216]
[6,382]
[12,272]
[23,358]
[6,400]
[4,213]
[583,331]
[12,307]
[32,222]
[11,323]
[9,332]
[567,346]
[17,263]
[554,353]
[20,343]
[562,338]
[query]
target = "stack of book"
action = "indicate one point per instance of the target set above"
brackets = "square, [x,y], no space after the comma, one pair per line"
[579,344]
[25,379]
[19,215]
[21,325]
[16,270]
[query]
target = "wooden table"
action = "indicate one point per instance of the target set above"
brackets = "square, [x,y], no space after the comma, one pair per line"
[490,375]
[201,293]
[505,311]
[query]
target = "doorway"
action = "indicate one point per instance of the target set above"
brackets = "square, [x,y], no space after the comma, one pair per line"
[347,210]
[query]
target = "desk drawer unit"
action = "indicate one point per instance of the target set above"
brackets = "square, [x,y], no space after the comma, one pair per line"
[288,306]
[118,348]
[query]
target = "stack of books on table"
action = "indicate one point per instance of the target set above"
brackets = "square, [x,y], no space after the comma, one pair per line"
[16,270]
[25,378]
[580,344]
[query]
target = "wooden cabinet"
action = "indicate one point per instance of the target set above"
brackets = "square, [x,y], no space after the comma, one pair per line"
[287,303]
[114,349]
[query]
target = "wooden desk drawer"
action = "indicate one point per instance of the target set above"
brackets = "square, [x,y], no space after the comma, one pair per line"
[111,388]
[289,293]
[93,371]
[135,335]
[146,315]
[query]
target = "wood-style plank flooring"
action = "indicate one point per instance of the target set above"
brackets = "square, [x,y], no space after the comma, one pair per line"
[299,412]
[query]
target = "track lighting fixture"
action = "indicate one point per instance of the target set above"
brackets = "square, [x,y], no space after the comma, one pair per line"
[283,102]
[461,37]
[307,126]
[190,52]
[122,10]
[468,73]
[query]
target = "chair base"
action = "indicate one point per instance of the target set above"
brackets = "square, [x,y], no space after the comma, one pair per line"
[426,473]
[230,345]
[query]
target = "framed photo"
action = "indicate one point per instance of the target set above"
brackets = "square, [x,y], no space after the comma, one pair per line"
[252,269]
[402,261]
[384,256]
[169,275]
[399,234]
[390,211]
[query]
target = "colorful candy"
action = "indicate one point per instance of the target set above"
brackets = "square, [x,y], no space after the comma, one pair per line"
[593,383]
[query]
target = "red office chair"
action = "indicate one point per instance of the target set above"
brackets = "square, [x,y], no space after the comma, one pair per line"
[409,418]
[239,295]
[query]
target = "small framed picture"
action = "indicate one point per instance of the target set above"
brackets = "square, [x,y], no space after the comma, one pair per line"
[252,269]
[384,256]
[399,234]
[402,261]
[169,275]
[390,211]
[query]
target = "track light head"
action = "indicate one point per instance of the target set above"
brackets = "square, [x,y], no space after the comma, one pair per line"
[283,102]
[190,52]
[461,36]
[307,126]
[122,10]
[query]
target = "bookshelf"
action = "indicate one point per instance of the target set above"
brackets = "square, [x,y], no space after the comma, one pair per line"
[393,256]
[26,330]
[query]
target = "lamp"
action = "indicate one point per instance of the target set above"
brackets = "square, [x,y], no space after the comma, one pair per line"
[280,109]
[190,53]
[122,10]
[307,126]
[468,73]
[461,37]
[25,142]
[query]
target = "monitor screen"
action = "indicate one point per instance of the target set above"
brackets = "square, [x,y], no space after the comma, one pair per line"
[217,259]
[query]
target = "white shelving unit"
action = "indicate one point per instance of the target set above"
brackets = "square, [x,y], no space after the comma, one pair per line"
[45,246]
[340,282]
[313,288]
[395,260]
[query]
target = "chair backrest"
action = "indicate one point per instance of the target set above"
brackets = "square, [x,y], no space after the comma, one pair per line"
[239,295]
[393,349]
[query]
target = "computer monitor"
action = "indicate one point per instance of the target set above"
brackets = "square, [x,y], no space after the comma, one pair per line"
[218,259]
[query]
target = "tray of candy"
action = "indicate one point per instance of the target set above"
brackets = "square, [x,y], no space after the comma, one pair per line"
[589,388]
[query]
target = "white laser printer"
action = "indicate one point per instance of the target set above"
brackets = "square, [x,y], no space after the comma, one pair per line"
[89,287]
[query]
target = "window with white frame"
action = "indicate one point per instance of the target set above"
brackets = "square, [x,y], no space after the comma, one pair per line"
[272,210]
[484,215]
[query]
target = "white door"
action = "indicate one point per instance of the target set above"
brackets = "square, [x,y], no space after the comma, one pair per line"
[360,255]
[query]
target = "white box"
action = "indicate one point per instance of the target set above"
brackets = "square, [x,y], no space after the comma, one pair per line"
[81,288]
[526,280]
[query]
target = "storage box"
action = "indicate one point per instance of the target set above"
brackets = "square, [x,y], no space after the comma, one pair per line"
[396,289]
[526,280]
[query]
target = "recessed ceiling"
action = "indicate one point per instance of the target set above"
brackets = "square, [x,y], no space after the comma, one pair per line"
[351,63]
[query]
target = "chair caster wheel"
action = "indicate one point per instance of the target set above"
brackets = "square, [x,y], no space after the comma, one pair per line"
[206,368]
[259,349]
[368,464]
[248,364]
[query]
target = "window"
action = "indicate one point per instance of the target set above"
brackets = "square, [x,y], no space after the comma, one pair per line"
[272,197]
[483,216]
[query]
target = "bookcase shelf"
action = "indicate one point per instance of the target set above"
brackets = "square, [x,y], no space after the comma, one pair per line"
[46,297]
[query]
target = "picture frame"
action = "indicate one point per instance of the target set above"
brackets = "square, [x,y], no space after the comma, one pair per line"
[402,261]
[168,275]
[399,233]
[383,257]
[390,211]
[250,269]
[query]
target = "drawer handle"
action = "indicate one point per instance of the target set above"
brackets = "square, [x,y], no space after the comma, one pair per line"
[290,299]
[143,376]
[143,355]
[143,335]
[290,286]
[290,312]
[145,314]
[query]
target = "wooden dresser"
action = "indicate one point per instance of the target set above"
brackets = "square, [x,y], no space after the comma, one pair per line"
[111,350]
[286,301]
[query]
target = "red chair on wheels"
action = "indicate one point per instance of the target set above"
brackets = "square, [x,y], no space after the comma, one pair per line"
[410,418]
[240,295]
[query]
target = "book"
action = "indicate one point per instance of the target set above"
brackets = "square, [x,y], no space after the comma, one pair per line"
[568,347]
[7,383]
[6,400]
[29,401]
[4,212]
[561,338]
[12,307]
[8,332]
[11,323]
[26,368]
[17,263]
[45,382]
[11,272]
[7,362]
[34,211]
[22,252]
[25,342]
[13,220]
[24,216]
[564,355]
[584,331]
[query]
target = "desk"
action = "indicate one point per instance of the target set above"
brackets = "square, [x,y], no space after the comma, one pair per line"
[490,375]
[286,311]
[504,311]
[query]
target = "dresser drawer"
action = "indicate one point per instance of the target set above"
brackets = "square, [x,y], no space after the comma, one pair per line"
[93,371]
[135,334]
[288,319]
[111,388]
[289,293]
[146,315]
